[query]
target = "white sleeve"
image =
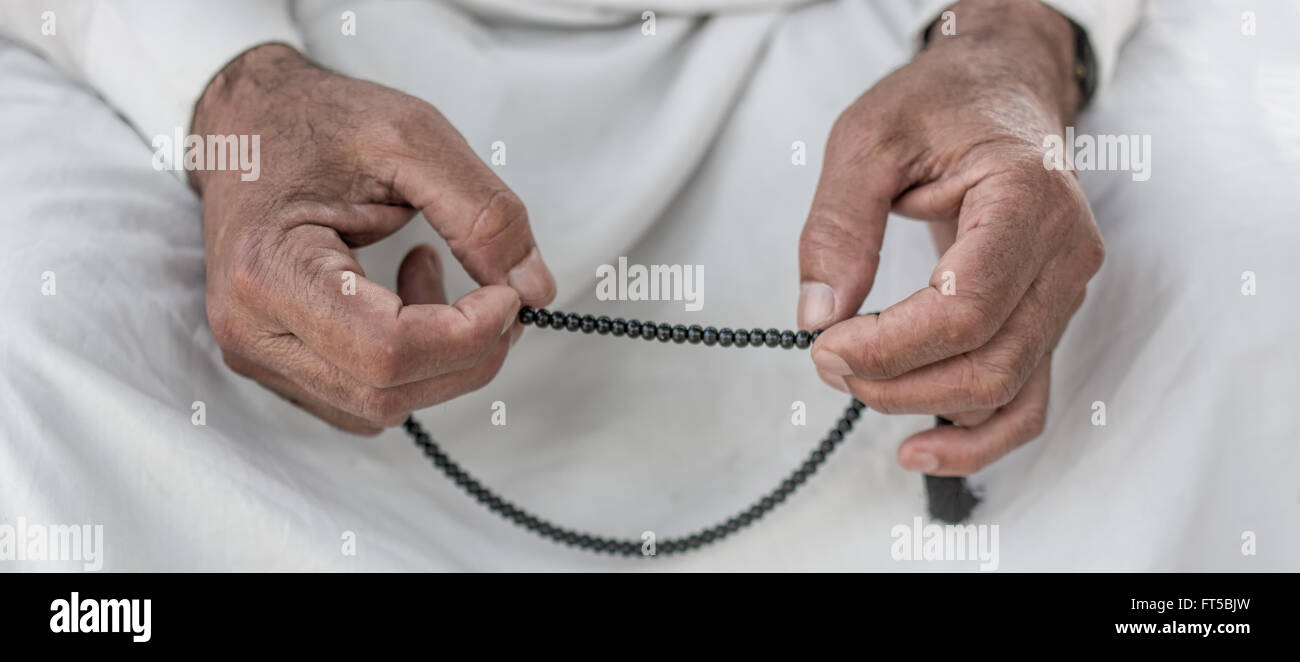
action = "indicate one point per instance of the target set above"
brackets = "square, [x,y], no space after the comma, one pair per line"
[1108,24]
[150,60]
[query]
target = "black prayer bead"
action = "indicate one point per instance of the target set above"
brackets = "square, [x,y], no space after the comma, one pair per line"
[648,330]
[588,323]
[802,339]
[603,325]
[726,336]
[634,328]
[695,334]
[527,315]
[756,336]
[742,338]
[665,332]
[679,334]
[573,321]
[618,327]
[772,338]
[542,318]
[787,339]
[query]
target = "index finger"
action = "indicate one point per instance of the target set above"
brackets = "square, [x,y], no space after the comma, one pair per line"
[484,223]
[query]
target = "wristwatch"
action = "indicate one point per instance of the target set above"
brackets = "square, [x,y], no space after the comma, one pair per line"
[1085,65]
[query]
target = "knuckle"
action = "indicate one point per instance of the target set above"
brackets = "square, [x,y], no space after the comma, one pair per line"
[382,364]
[829,232]
[866,129]
[407,124]
[968,324]
[246,274]
[502,216]
[823,232]
[847,127]
[223,324]
[873,363]
[994,385]
[1093,251]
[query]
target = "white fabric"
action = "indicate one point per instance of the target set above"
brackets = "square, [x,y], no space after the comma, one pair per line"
[153,60]
[666,149]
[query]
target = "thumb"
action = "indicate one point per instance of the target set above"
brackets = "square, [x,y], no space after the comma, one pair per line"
[839,248]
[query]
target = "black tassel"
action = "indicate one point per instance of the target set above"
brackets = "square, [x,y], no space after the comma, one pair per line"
[951,499]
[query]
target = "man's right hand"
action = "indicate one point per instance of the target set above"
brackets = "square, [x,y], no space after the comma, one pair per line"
[345,163]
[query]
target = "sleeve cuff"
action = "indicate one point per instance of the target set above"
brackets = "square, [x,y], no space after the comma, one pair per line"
[153,62]
[1108,24]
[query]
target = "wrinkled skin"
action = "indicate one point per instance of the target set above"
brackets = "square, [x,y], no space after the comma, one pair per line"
[955,138]
[345,163]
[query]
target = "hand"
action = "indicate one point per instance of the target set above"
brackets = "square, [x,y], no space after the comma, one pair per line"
[954,138]
[345,163]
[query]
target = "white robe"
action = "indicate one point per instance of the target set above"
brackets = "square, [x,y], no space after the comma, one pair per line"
[672,148]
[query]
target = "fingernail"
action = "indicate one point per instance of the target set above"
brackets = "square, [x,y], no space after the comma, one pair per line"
[510,321]
[831,362]
[923,462]
[816,305]
[531,279]
[517,333]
